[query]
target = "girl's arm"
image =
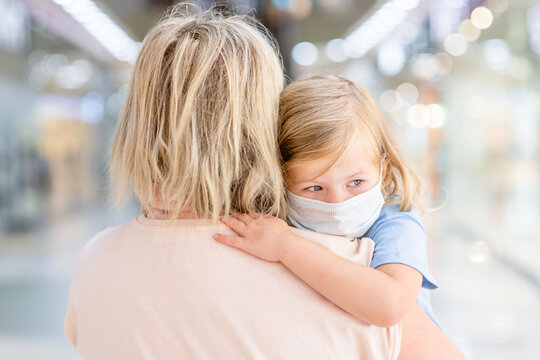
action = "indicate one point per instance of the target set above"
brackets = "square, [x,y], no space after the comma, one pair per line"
[421,339]
[381,296]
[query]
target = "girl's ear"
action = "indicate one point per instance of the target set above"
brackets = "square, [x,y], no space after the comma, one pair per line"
[385,163]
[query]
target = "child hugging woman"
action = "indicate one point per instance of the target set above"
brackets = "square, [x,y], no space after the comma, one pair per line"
[345,175]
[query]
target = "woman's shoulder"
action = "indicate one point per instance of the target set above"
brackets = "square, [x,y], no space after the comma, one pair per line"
[101,242]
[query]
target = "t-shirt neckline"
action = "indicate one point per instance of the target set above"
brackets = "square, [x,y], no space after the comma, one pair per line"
[142,219]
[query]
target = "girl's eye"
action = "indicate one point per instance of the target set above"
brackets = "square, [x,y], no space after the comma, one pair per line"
[355,182]
[314,188]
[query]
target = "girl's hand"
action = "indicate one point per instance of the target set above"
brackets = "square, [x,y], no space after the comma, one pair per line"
[260,235]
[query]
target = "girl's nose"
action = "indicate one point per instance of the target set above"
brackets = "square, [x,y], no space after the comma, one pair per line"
[336,196]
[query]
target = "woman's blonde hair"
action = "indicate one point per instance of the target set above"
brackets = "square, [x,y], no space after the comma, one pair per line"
[324,115]
[199,126]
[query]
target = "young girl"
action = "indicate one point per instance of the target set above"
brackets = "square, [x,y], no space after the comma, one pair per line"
[345,175]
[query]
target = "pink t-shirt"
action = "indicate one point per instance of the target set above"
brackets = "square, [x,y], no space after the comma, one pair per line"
[154,289]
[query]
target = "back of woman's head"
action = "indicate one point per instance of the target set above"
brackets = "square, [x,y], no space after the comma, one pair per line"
[326,115]
[199,125]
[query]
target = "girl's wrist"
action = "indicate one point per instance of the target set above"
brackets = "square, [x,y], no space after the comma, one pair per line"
[288,245]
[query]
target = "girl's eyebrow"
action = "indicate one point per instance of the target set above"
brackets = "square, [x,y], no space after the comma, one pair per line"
[301,182]
[357,174]
[314,181]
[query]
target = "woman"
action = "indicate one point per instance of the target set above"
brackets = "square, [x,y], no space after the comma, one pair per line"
[196,140]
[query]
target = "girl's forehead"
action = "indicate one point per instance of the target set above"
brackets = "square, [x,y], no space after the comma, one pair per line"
[360,151]
[357,158]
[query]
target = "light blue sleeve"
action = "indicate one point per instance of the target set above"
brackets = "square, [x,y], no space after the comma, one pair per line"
[400,237]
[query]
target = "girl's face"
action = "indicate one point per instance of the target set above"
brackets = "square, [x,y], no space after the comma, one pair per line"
[353,173]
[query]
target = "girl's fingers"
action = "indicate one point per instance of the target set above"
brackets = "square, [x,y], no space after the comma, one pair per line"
[245,218]
[255,216]
[231,240]
[234,224]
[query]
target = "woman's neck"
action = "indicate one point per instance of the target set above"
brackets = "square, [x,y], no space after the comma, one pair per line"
[164,214]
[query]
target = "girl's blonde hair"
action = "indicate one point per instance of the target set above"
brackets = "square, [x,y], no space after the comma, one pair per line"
[199,126]
[324,115]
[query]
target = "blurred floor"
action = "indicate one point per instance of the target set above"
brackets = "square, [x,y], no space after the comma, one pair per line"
[489,307]
[35,268]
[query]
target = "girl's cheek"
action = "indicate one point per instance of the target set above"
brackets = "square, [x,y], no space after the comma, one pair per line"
[369,186]
[357,191]
[307,194]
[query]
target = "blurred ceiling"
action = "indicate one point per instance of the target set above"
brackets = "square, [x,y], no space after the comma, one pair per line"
[136,17]
[327,19]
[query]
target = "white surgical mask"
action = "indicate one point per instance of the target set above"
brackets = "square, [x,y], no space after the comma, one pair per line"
[352,217]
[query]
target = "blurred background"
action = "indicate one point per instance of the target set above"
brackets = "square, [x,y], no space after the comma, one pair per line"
[456,79]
